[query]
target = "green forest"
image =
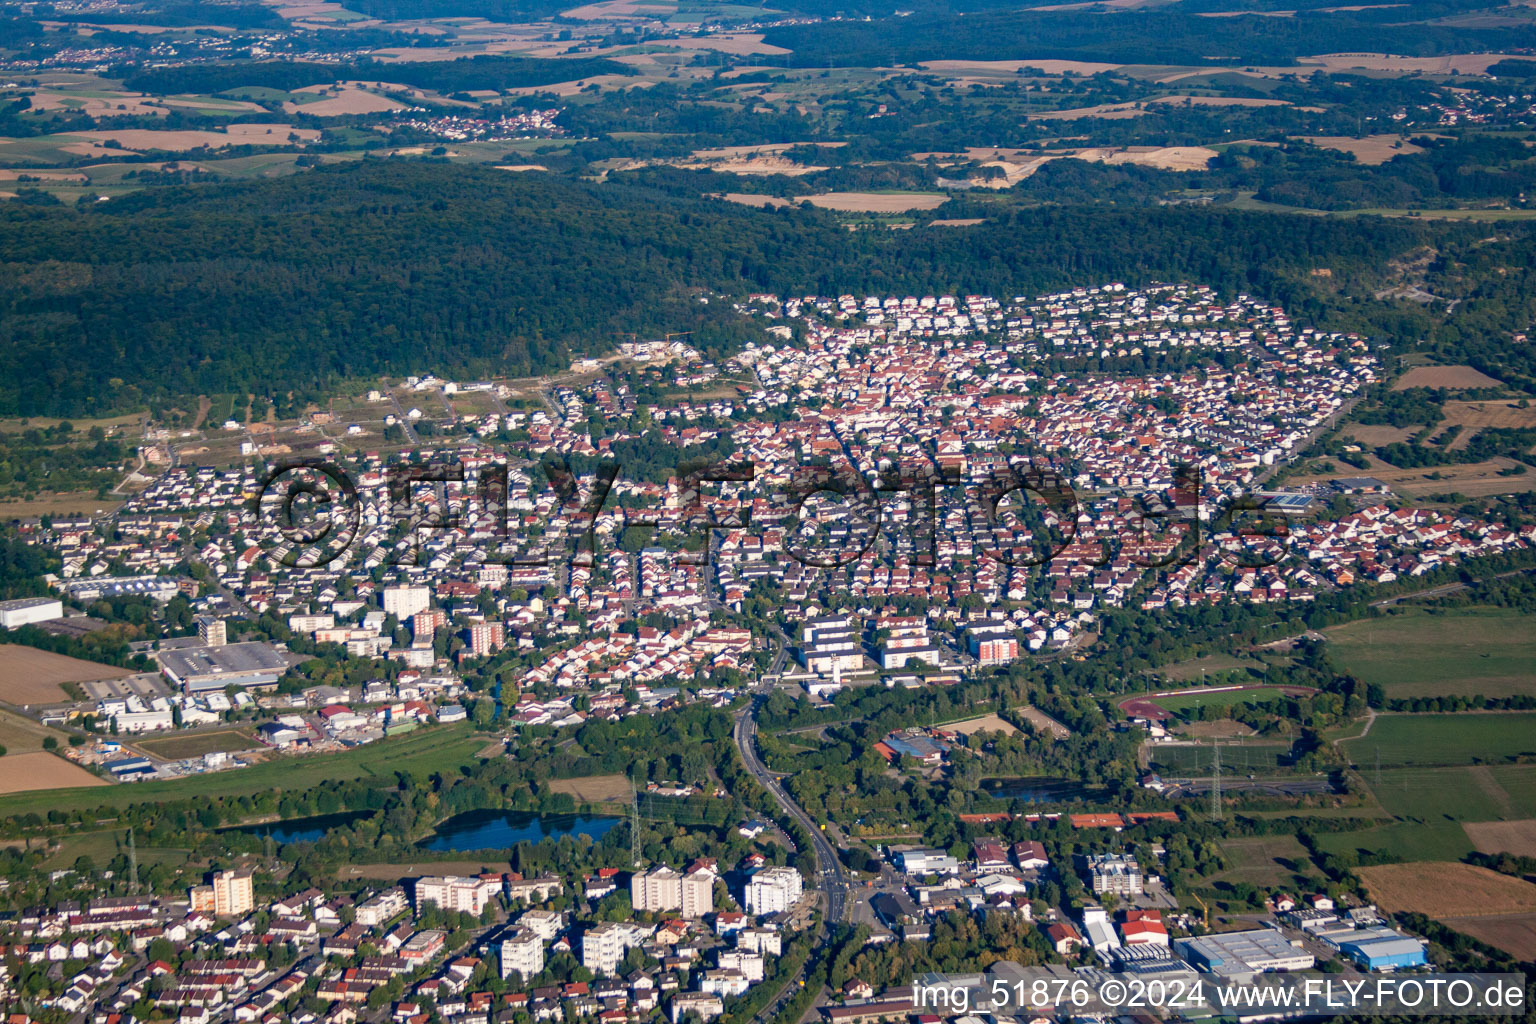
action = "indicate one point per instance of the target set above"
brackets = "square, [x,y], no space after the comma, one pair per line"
[284,287]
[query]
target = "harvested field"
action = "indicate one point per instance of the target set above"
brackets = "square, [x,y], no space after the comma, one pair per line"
[1444,377]
[755,165]
[748,199]
[67,503]
[741,44]
[875,202]
[1515,934]
[1461,63]
[32,676]
[1479,415]
[1374,435]
[348,100]
[395,872]
[986,723]
[1225,101]
[1446,889]
[1516,837]
[1474,479]
[620,9]
[572,88]
[139,139]
[957,222]
[595,789]
[1050,67]
[1371,150]
[25,773]
[1112,111]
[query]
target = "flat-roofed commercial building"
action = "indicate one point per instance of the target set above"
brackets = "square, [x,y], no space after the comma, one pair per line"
[201,669]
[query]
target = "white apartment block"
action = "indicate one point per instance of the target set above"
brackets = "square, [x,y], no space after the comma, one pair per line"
[456,892]
[403,602]
[604,945]
[386,906]
[773,890]
[759,940]
[662,889]
[522,953]
[748,964]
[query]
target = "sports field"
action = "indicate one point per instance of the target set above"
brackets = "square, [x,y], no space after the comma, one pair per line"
[1219,699]
[1422,653]
[1198,759]
[1433,740]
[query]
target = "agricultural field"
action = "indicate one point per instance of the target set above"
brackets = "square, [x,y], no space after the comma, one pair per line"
[32,676]
[595,789]
[19,734]
[1467,793]
[196,744]
[1516,837]
[1515,933]
[1441,890]
[1410,840]
[1436,740]
[1453,377]
[32,772]
[1420,652]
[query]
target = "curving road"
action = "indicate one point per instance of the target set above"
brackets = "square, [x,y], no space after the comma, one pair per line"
[830,874]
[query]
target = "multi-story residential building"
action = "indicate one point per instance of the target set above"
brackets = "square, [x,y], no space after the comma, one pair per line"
[486,638]
[456,892]
[662,889]
[227,894]
[604,945]
[522,953]
[1114,873]
[706,1005]
[404,602]
[773,890]
[386,906]
[212,631]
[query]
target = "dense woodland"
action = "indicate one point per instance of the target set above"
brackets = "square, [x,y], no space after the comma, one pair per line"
[1161,37]
[284,287]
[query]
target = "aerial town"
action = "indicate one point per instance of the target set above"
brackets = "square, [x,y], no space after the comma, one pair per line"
[470,573]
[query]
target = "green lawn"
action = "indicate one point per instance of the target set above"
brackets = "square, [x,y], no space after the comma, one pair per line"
[1408,840]
[1422,653]
[1432,740]
[421,753]
[1220,699]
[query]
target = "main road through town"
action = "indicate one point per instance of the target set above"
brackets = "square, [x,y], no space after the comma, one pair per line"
[830,874]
